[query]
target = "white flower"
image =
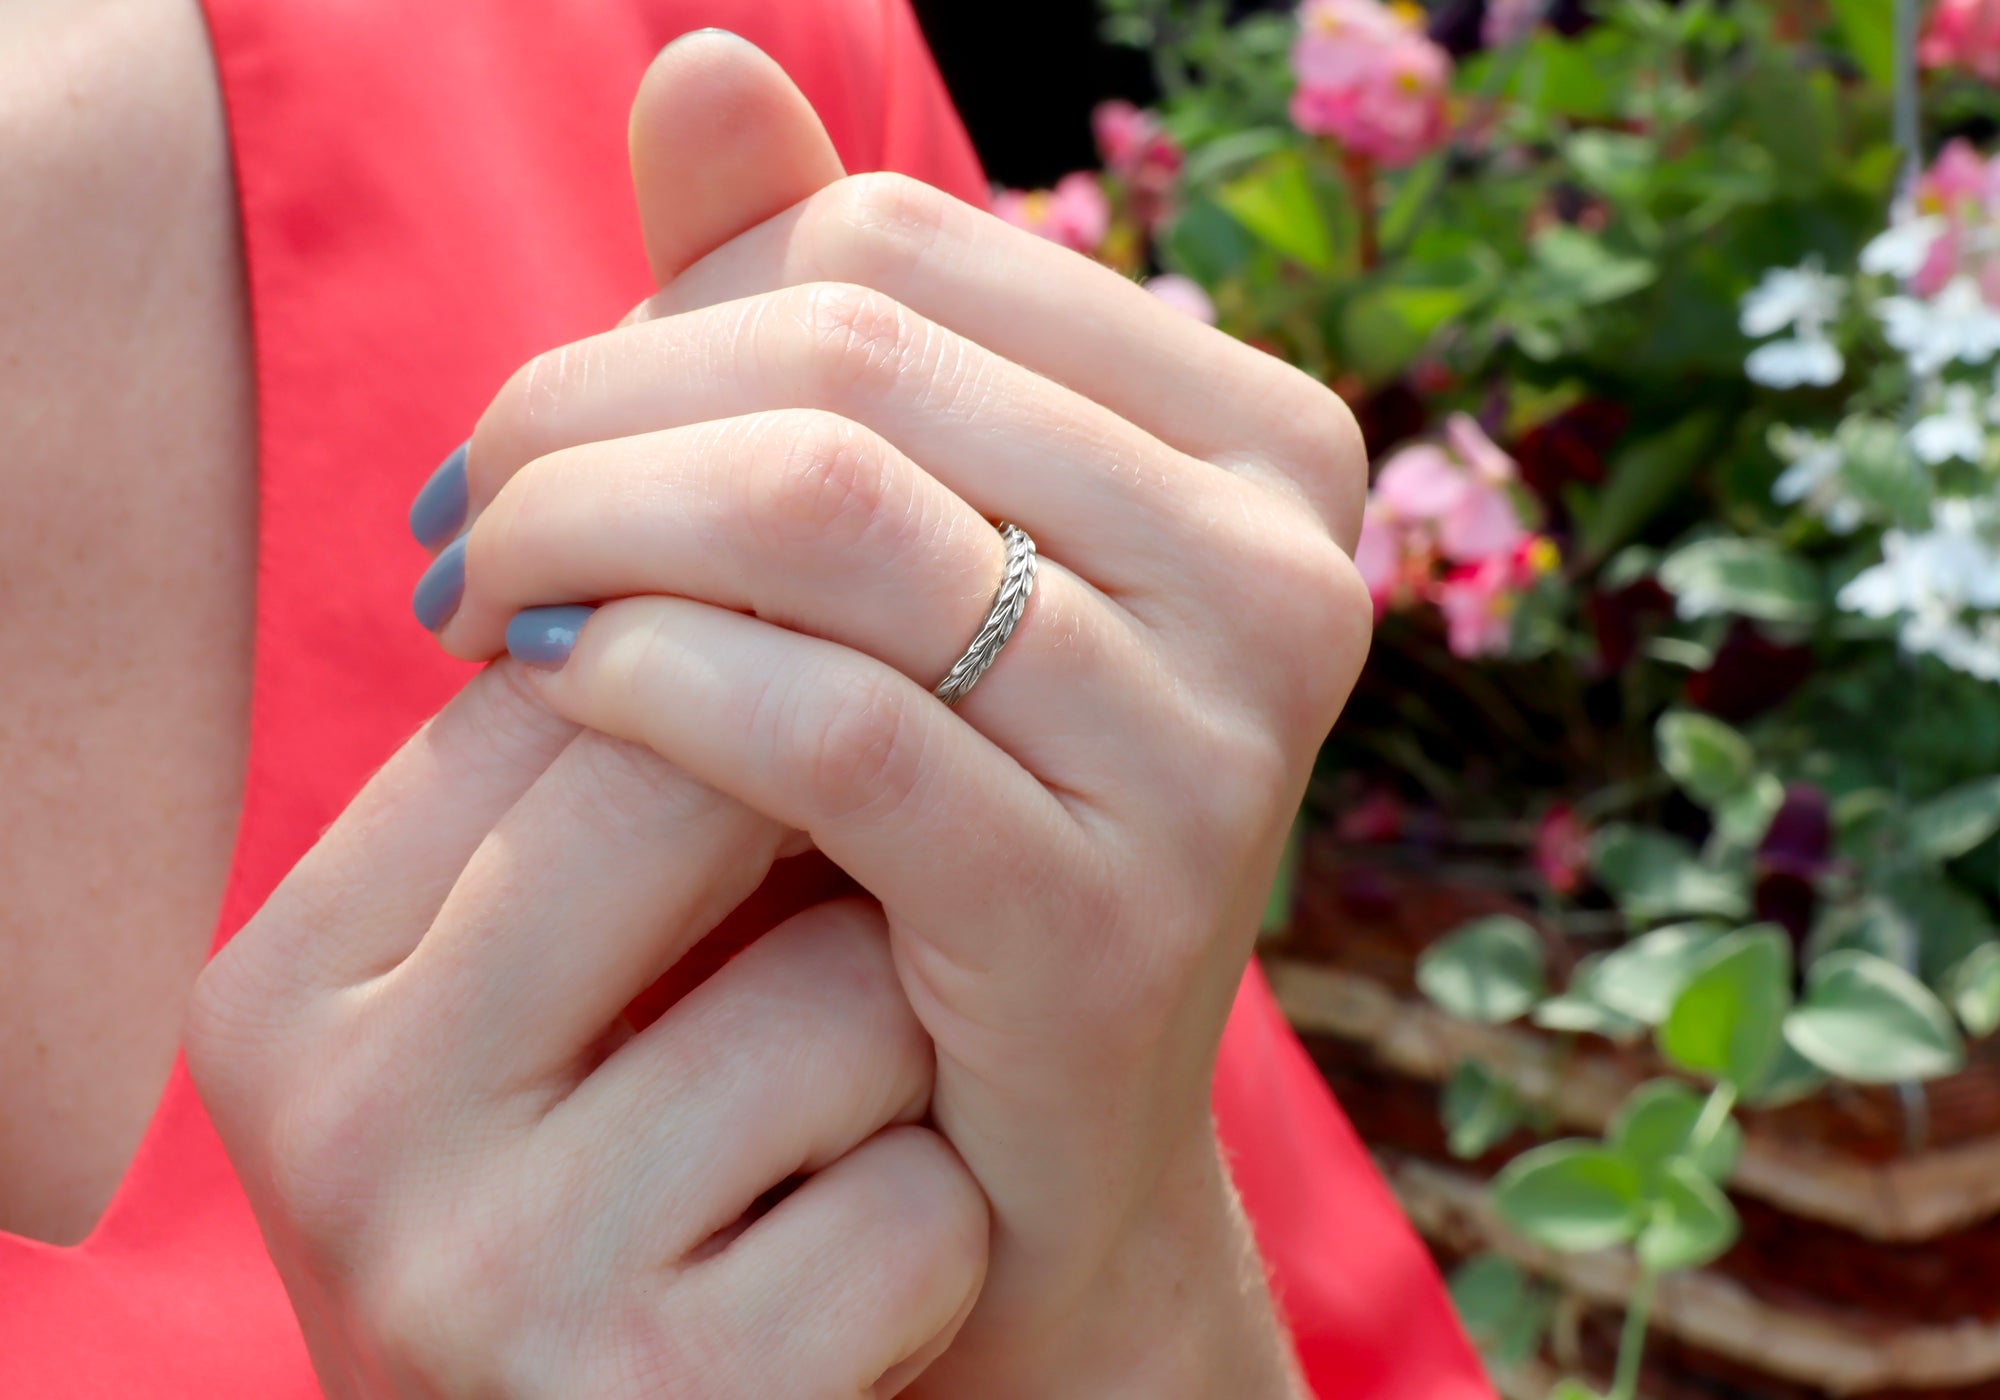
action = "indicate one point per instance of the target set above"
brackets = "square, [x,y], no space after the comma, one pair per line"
[1802,296]
[1786,364]
[1932,575]
[1900,250]
[1813,479]
[1956,429]
[1956,324]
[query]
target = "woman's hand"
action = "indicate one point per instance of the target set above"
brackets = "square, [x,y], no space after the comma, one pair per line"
[472,1187]
[785,471]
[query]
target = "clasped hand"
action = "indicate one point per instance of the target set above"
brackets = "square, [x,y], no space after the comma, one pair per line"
[951,1134]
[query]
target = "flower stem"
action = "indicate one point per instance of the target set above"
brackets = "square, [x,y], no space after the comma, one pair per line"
[1714,1114]
[1632,1340]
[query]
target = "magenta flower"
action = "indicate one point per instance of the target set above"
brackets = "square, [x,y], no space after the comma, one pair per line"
[1562,849]
[1370,78]
[1075,213]
[1479,600]
[1964,34]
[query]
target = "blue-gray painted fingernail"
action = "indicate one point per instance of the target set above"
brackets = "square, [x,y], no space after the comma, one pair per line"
[442,585]
[546,636]
[439,508]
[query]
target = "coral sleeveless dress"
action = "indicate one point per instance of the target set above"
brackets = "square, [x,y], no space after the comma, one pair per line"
[430,193]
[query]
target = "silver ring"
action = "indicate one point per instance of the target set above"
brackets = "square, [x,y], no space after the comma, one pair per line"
[1016,583]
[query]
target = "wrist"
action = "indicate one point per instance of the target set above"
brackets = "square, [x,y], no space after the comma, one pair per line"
[1181,1306]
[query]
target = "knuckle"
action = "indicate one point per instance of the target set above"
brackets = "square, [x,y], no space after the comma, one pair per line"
[857,341]
[869,228]
[856,747]
[1314,619]
[826,481]
[1329,458]
[929,1198]
[524,419]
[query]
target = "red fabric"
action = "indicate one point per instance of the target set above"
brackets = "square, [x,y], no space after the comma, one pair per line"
[430,194]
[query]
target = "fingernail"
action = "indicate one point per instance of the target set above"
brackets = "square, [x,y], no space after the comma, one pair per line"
[546,636]
[442,585]
[698,34]
[439,508]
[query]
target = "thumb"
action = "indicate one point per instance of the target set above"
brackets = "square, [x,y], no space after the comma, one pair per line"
[721,140]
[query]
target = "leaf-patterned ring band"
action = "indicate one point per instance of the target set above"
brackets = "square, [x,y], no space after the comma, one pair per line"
[1017,582]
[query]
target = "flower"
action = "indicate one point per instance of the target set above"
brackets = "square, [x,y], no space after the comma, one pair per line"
[1786,364]
[1458,499]
[1963,34]
[1797,848]
[1138,152]
[1804,296]
[1956,324]
[1814,479]
[1183,294]
[1902,249]
[1561,851]
[1961,191]
[1509,21]
[1075,213]
[1803,299]
[1956,429]
[1479,600]
[1369,77]
[1930,579]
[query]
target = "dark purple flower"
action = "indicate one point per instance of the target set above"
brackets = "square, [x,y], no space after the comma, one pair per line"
[1796,850]
[1571,446]
[1750,674]
[1621,617]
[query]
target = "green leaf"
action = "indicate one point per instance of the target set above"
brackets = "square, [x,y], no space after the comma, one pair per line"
[1656,1125]
[1742,818]
[1642,978]
[1643,477]
[1949,825]
[1571,1195]
[1503,1310]
[1489,970]
[1653,875]
[1573,1390]
[1865,1019]
[1276,201]
[1708,758]
[1741,577]
[1691,1223]
[1868,32]
[1975,990]
[1580,1010]
[1790,1078]
[1480,1109]
[1727,1021]
[1578,270]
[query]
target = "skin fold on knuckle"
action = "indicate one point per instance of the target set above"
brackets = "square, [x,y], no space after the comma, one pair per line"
[851,345]
[824,484]
[874,229]
[852,742]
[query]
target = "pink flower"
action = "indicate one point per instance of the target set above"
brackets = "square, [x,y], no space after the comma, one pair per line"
[1137,151]
[1509,21]
[1183,294]
[1478,600]
[1369,77]
[1460,495]
[1562,849]
[1075,213]
[1377,817]
[1964,34]
[1378,557]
